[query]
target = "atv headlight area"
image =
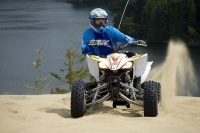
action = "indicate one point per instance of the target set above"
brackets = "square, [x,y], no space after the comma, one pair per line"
[128,65]
[102,65]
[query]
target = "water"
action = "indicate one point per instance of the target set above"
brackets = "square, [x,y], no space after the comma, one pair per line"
[27,25]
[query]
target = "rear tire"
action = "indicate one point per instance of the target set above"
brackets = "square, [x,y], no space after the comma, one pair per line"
[150,99]
[78,101]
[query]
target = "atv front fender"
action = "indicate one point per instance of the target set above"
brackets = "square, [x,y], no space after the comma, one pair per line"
[92,62]
[146,72]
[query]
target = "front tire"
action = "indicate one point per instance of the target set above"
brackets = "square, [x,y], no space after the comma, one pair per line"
[78,101]
[150,99]
[157,86]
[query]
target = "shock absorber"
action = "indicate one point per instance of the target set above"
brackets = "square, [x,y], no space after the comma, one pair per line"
[137,84]
[101,81]
[128,80]
[102,78]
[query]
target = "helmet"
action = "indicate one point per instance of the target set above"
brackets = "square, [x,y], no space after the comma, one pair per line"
[98,13]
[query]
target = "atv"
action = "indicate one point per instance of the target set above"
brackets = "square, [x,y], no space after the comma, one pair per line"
[120,77]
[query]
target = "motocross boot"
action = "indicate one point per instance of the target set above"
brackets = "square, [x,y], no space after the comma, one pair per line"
[137,84]
[128,80]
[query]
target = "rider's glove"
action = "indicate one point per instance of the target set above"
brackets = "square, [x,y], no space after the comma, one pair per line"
[141,43]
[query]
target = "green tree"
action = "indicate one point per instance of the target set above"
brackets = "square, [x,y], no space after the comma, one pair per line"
[39,85]
[197,7]
[132,20]
[129,26]
[155,18]
[115,4]
[159,20]
[74,71]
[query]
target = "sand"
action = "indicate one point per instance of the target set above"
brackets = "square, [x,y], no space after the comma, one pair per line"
[51,114]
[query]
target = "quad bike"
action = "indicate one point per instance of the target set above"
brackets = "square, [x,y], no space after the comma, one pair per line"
[120,78]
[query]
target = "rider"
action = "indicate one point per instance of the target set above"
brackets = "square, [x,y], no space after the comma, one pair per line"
[95,38]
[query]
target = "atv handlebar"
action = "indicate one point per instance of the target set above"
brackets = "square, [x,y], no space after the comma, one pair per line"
[120,47]
[141,43]
[138,43]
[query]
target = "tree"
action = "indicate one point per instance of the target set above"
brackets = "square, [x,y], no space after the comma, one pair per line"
[74,71]
[155,19]
[197,7]
[159,20]
[39,85]
[129,26]
[115,4]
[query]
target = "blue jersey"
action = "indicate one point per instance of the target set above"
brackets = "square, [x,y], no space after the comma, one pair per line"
[111,36]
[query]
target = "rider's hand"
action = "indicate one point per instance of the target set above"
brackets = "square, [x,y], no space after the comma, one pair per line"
[141,43]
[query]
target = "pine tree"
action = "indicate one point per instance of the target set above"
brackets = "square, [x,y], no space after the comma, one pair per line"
[74,71]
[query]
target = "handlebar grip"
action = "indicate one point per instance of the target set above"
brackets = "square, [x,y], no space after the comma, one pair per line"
[141,43]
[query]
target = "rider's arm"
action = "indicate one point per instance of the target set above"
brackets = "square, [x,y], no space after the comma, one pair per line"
[86,49]
[120,37]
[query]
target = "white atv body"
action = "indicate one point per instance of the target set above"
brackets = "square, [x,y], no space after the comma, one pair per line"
[119,78]
[138,63]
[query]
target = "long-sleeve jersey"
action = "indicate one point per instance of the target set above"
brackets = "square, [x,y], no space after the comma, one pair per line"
[111,36]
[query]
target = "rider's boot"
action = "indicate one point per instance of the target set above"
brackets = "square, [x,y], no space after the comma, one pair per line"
[137,84]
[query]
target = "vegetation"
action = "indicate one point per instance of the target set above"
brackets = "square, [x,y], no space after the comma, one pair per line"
[159,20]
[72,70]
[57,90]
[39,85]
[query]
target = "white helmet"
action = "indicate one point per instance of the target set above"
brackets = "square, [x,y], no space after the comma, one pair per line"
[98,13]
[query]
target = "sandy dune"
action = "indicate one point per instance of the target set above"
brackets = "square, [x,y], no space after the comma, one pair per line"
[51,114]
